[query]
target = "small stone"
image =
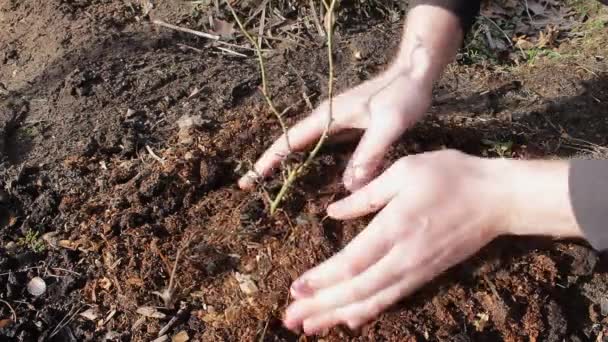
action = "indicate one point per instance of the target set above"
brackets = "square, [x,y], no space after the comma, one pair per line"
[604,306]
[36,286]
[130,113]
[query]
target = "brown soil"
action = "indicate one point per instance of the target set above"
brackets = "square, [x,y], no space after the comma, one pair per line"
[89,86]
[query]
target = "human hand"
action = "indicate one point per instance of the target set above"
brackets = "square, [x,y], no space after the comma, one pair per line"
[384,107]
[438,209]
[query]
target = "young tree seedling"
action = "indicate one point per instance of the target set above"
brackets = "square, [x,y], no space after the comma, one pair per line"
[293,172]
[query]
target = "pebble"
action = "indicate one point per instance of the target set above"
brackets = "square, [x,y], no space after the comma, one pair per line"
[36,286]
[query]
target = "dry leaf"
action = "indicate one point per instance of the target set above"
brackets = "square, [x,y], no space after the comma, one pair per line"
[151,312]
[232,314]
[135,281]
[68,244]
[50,238]
[548,37]
[91,314]
[223,28]
[246,283]
[181,336]
[105,283]
[481,321]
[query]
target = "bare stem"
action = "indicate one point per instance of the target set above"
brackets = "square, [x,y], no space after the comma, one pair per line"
[292,176]
[265,93]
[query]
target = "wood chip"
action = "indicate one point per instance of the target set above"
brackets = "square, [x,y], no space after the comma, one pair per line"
[138,323]
[68,244]
[91,314]
[162,339]
[181,336]
[246,283]
[151,312]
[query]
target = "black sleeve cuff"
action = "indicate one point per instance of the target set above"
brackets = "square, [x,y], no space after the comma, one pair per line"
[465,10]
[588,184]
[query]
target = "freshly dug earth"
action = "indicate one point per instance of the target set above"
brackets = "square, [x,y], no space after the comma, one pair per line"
[101,191]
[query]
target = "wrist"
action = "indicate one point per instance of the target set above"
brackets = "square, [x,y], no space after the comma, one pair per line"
[431,39]
[533,198]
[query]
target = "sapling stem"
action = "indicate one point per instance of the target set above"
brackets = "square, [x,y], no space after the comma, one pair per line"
[295,172]
[265,93]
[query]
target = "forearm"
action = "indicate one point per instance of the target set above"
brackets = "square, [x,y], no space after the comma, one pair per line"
[535,198]
[431,39]
[557,198]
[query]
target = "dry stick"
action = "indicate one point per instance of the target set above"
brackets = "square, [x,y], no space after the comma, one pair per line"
[177,28]
[11,308]
[263,72]
[154,155]
[299,169]
[313,10]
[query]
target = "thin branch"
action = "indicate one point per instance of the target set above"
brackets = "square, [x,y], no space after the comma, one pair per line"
[298,170]
[11,308]
[154,155]
[263,72]
[187,30]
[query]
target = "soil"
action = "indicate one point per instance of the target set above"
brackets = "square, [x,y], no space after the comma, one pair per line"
[100,190]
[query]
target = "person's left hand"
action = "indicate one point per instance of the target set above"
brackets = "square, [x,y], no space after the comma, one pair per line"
[439,208]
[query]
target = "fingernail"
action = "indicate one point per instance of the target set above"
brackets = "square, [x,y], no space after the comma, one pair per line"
[301,288]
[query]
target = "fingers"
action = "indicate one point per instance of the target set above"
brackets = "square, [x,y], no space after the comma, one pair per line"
[386,272]
[372,197]
[392,110]
[359,313]
[363,251]
[300,136]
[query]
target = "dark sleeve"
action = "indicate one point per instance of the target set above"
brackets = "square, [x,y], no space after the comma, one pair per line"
[465,10]
[588,186]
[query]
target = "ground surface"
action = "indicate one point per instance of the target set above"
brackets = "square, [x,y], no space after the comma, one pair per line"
[89,87]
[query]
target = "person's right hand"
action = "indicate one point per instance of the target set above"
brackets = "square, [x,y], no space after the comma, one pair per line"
[384,107]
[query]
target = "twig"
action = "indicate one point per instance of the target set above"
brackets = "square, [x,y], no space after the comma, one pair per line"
[264,331]
[293,173]
[11,308]
[65,270]
[167,294]
[499,29]
[62,324]
[172,321]
[299,169]
[153,155]
[262,24]
[315,18]
[231,52]
[263,72]
[187,30]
